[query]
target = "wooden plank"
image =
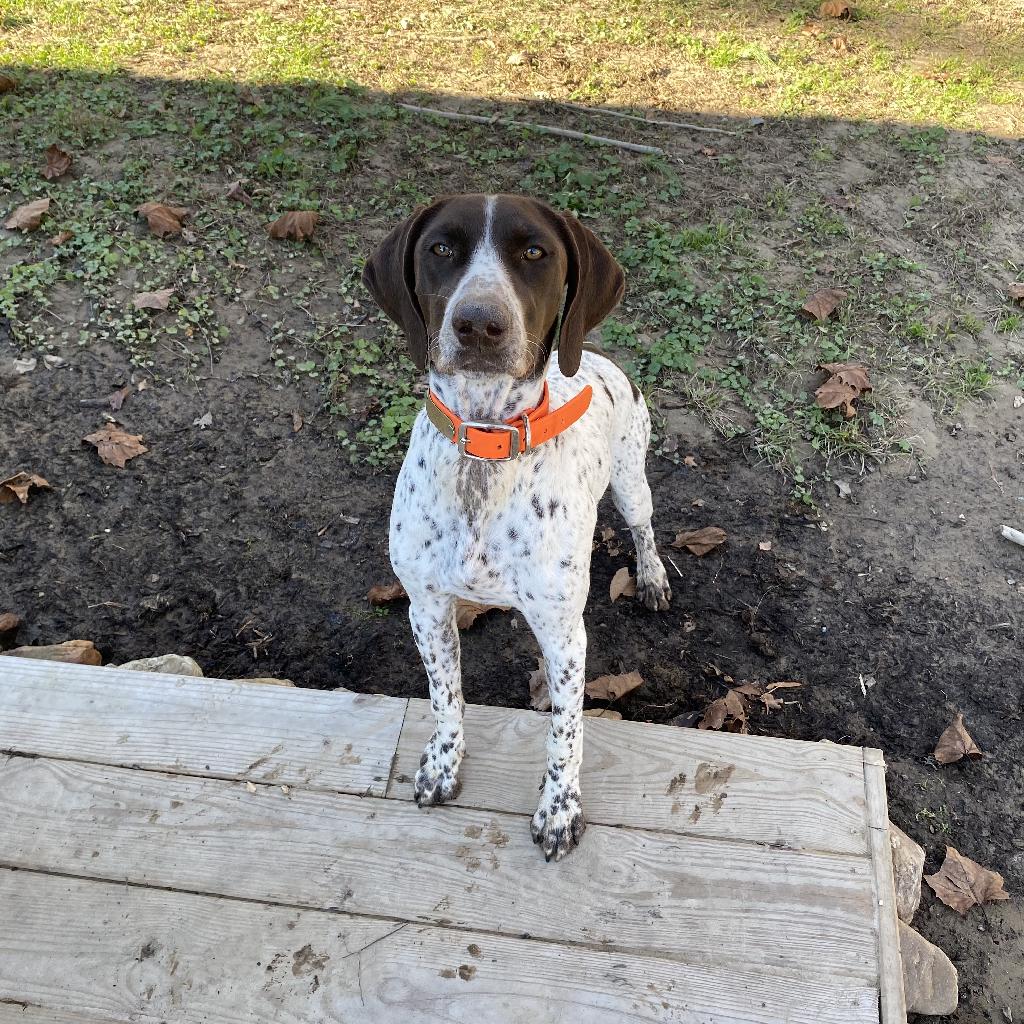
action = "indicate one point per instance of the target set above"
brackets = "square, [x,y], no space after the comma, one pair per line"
[154,956]
[783,792]
[702,900]
[18,1012]
[337,741]
[892,996]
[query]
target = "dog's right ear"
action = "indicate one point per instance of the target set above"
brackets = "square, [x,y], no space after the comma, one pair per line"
[389,276]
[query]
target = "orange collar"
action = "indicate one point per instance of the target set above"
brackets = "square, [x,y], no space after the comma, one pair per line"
[501,442]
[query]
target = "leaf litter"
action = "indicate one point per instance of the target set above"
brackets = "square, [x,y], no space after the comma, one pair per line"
[115,446]
[17,487]
[962,883]
[956,743]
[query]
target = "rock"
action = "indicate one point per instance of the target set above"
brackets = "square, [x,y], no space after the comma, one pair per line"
[173,664]
[929,977]
[266,681]
[907,870]
[72,652]
[9,625]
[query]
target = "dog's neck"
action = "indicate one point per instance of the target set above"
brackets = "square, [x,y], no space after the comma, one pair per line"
[488,397]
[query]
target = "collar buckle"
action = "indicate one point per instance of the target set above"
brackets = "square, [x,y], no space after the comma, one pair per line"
[513,432]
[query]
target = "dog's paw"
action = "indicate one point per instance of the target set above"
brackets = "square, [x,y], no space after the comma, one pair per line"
[654,594]
[558,825]
[438,777]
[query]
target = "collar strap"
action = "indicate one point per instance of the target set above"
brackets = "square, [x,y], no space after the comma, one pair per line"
[501,442]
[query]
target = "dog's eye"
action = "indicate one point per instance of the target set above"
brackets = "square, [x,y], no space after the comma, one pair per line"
[440,249]
[534,252]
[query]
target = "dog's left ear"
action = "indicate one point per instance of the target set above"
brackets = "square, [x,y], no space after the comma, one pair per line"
[389,276]
[594,286]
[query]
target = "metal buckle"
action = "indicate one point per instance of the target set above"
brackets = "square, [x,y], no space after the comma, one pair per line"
[513,432]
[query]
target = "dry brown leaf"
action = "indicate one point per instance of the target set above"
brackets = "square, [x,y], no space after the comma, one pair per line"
[822,304]
[467,612]
[961,883]
[115,446]
[74,652]
[622,585]
[117,398]
[540,695]
[603,713]
[297,224]
[728,712]
[385,593]
[700,542]
[235,191]
[956,743]
[27,217]
[7,84]
[153,300]
[846,383]
[163,220]
[18,486]
[61,237]
[613,687]
[58,163]
[690,461]
[297,422]
[835,9]
[1016,291]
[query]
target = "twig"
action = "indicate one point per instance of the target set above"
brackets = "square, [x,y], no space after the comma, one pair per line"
[544,129]
[674,566]
[649,120]
[1015,535]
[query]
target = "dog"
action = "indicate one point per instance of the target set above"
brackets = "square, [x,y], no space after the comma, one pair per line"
[496,501]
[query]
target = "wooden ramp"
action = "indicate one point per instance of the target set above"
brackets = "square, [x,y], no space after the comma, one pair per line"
[176,849]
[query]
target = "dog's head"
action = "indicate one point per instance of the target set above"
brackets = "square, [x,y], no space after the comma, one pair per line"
[477,283]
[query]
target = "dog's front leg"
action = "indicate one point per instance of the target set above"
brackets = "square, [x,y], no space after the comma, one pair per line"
[559,823]
[437,637]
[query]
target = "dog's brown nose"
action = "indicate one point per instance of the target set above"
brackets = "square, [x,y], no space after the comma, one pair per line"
[479,322]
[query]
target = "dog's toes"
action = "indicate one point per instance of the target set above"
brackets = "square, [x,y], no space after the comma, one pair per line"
[654,596]
[558,832]
[431,788]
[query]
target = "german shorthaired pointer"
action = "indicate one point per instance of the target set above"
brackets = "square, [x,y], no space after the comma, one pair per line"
[497,499]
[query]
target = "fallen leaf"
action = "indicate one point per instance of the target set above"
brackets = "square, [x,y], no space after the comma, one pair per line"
[613,687]
[115,446]
[961,883]
[467,612]
[602,713]
[204,421]
[690,461]
[297,224]
[841,44]
[61,237]
[385,593]
[58,163]
[235,191]
[117,398]
[822,304]
[728,712]
[153,300]
[18,486]
[956,743]
[516,59]
[843,487]
[708,151]
[1016,291]
[7,84]
[835,9]
[700,542]
[163,220]
[540,695]
[296,422]
[52,362]
[846,383]
[28,217]
[622,585]
[74,652]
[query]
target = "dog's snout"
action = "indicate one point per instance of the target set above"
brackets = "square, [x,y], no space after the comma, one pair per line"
[480,322]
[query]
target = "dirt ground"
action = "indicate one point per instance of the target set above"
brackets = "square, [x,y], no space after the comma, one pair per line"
[908,584]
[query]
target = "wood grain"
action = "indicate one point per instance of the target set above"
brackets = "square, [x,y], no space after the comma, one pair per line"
[784,792]
[337,741]
[95,951]
[696,899]
[890,962]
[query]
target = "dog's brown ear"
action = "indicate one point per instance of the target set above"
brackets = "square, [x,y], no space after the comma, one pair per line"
[389,276]
[594,286]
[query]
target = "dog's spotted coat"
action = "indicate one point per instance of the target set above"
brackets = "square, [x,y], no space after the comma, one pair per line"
[478,284]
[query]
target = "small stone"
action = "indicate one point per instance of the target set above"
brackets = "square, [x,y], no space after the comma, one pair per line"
[25,365]
[843,487]
[172,664]
[907,870]
[516,59]
[929,978]
[266,681]
[72,652]
[54,362]
[9,625]
[1018,401]
[204,421]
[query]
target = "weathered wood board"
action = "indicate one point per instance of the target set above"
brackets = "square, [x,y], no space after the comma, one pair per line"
[192,849]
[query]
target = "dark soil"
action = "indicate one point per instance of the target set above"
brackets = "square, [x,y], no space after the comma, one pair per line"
[234,544]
